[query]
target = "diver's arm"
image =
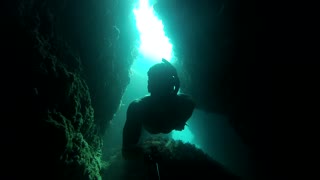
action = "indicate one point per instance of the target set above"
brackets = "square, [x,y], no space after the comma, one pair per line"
[186,107]
[131,130]
[189,106]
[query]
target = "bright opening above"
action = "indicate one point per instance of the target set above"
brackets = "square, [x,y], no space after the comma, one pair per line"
[154,44]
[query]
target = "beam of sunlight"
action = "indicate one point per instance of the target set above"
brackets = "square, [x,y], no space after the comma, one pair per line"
[154,44]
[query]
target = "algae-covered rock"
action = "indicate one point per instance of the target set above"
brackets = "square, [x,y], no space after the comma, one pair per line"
[168,159]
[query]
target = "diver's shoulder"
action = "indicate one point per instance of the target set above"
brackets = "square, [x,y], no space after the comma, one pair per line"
[139,101]
[142,99]
[134,106]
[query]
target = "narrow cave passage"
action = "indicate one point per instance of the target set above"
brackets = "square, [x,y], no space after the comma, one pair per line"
[207,131]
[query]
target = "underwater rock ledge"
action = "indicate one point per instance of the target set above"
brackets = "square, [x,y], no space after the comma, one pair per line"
[175,159]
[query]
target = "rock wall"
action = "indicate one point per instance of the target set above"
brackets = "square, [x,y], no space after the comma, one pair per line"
[215,44]
[65,71]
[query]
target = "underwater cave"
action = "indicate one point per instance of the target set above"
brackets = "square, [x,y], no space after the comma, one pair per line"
[71,69]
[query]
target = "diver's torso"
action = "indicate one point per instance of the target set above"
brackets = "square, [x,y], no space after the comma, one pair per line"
[162,115]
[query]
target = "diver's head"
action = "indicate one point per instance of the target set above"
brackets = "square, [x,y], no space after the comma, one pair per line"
[163,79]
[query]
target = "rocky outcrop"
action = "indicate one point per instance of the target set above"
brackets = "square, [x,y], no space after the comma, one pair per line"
[66,71]
[168,159]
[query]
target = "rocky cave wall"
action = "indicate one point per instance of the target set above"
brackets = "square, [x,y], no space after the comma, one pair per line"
[214,42]
[65,68]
